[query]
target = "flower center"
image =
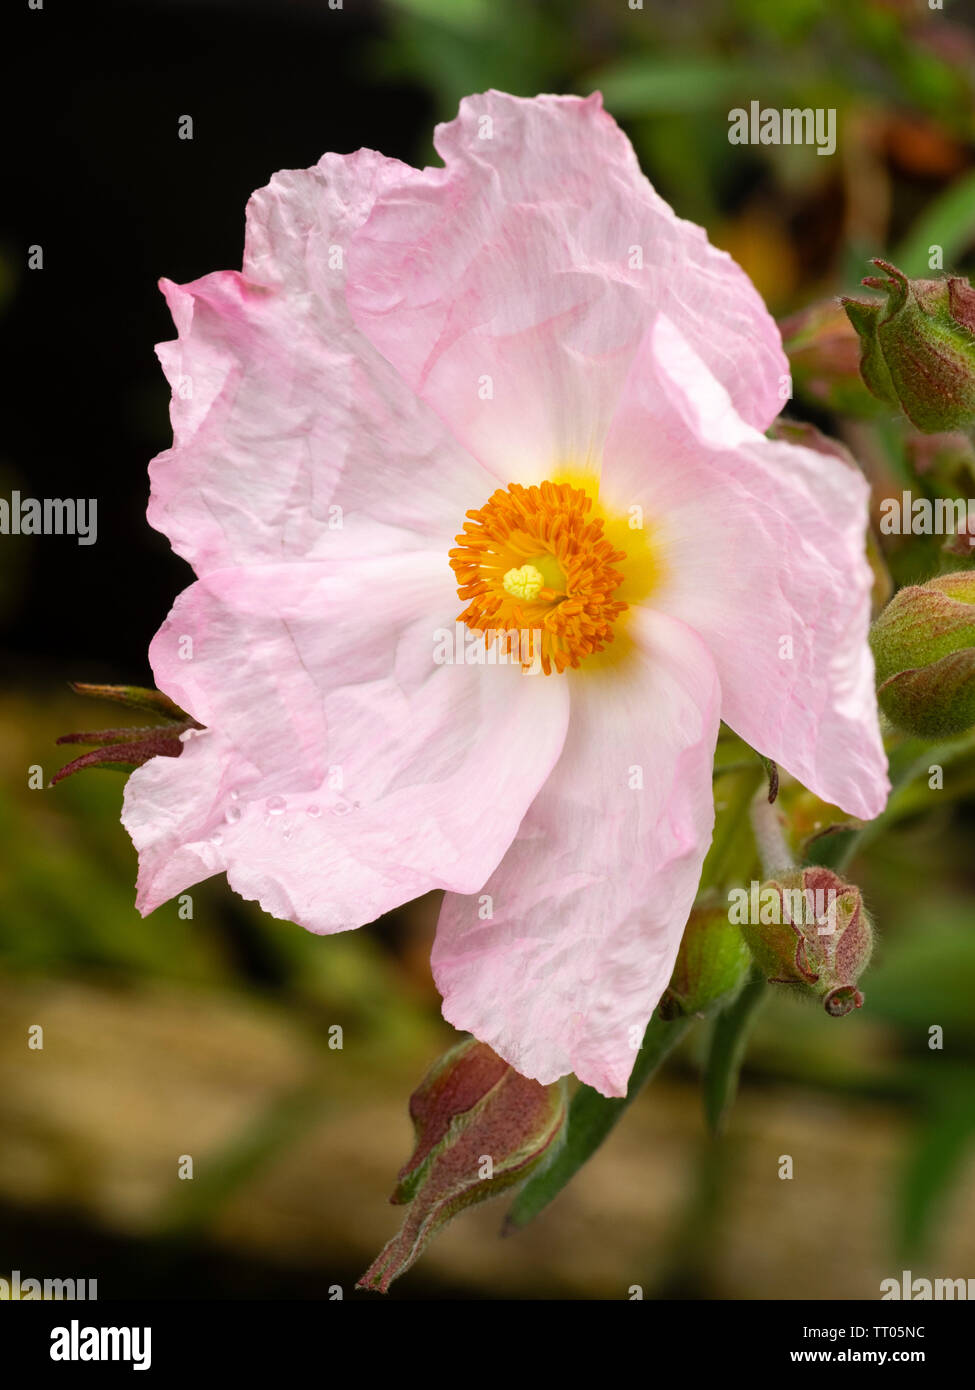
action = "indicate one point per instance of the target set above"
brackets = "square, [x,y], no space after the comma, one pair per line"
[537,570]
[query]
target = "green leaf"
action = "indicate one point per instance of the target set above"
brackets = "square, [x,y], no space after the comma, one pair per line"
[948,222]
[726,1052]
[591,1118]
[637,86]
[832,848]
[135,697]
[935,1162]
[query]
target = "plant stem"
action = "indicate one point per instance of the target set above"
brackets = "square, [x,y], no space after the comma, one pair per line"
[726,1051]
[773,851]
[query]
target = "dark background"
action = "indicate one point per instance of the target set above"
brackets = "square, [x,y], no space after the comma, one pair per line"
[94,173]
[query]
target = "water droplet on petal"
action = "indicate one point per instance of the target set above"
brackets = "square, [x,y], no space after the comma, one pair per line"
[313,810]
[216,837]
[341,808]
[232,814]
[275,805]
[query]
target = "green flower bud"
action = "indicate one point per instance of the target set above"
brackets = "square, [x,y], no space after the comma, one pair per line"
[917,350]
[481,1129]
[814,934]
[711,963]
[924,650]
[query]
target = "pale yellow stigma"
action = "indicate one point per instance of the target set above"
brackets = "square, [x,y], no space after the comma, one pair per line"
[524,582]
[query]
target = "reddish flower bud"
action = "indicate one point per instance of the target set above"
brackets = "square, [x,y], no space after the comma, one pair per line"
[814,934]
[481,1129]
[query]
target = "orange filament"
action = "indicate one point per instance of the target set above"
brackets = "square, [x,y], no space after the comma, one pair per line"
[536,572]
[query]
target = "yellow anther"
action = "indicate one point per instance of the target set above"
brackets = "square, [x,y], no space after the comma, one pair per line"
[524,582]
[534,562]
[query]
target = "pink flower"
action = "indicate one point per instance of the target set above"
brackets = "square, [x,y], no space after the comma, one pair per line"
[530,335]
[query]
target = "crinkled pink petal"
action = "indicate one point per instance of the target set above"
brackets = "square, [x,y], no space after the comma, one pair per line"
[356,772]
[346,772]
[512,288]
[560,965]
[762,546]
[288,425]
[176,823]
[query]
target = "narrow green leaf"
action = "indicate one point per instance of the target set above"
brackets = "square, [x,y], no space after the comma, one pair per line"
[729,1036]
[591,1118]
[935,1161]
[136,697]
[638,86]
[948,222]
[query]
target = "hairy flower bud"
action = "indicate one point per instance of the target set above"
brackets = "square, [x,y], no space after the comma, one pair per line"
[924,651]
[481,1129]
[813,933]
[711,963]
[917,350]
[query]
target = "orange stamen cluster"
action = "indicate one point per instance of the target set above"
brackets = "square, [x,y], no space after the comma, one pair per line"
[548,528]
